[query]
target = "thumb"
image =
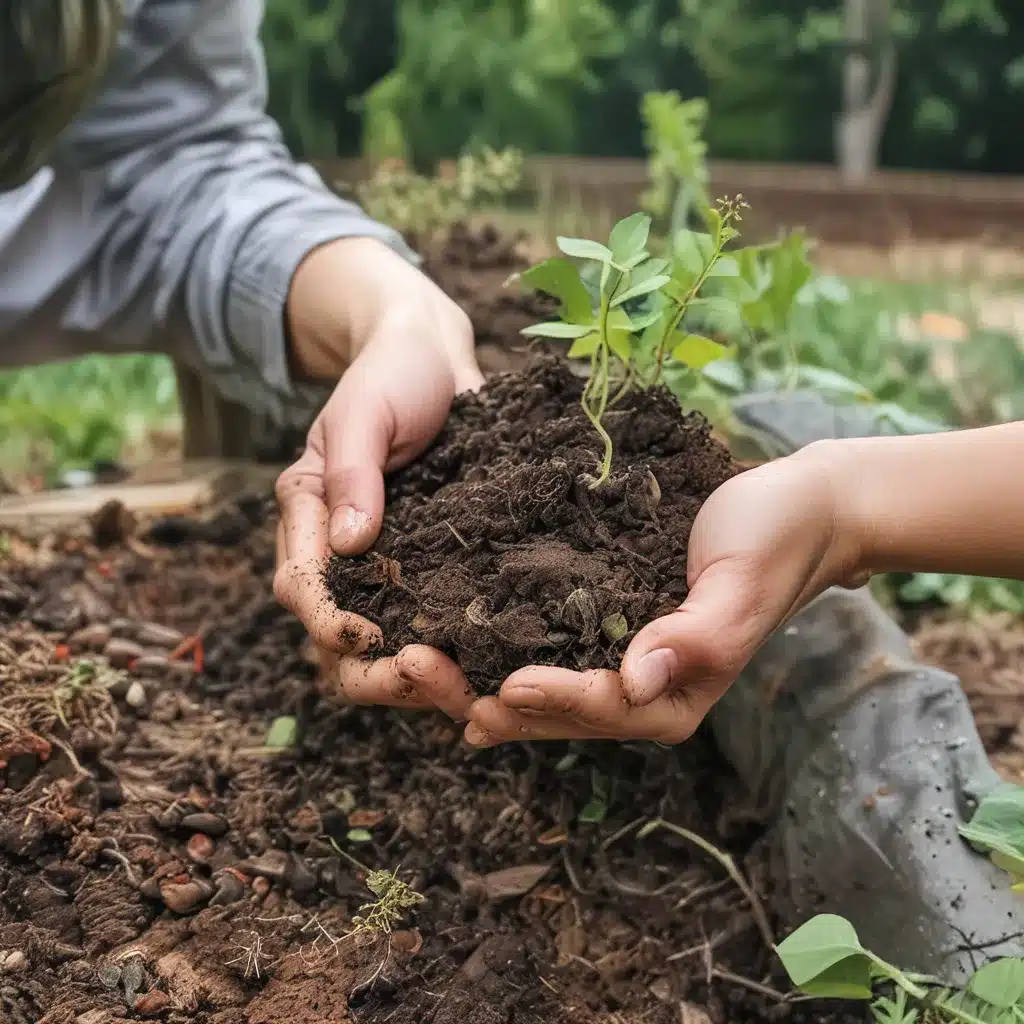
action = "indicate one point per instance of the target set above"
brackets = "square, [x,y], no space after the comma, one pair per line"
[357,438]
[705,644]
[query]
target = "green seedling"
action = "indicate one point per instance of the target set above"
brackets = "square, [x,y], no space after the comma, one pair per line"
[825,959]
[282,734]
[394,898]
[997,828]
[624,309]
[84,682]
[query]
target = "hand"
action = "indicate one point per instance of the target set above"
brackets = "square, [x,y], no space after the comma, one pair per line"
[403,350]
[763,545]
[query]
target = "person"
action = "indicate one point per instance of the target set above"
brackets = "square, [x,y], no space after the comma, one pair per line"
[151,204]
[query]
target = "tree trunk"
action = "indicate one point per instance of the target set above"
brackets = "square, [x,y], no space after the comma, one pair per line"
[867,97]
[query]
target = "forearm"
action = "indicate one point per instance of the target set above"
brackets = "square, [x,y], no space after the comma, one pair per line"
[950,502]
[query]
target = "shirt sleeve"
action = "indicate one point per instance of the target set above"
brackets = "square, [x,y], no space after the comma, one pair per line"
[196,214]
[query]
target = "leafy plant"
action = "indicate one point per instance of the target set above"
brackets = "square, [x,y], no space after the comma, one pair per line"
[424,207]
[824,958]
[997,828]
[633,314]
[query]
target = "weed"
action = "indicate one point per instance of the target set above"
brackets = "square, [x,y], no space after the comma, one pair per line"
[424,207]
[394,898]
[83,689]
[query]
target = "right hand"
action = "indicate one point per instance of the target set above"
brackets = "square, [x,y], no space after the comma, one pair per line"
[763,545]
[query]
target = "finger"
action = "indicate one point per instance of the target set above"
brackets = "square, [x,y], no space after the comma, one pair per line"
[707,642]
[594,698]
[593,703]
[358,431]
[301,554]
[436,679]
[491,722]
[372,681]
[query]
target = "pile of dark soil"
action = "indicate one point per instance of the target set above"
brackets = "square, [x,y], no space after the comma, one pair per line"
[496,549]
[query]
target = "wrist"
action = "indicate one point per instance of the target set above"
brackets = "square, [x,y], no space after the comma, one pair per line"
[837,465]
[337,295]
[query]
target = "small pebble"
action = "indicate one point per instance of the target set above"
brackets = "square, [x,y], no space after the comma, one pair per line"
[152,665]
[303,880]
[201,848]
[182,898]
[136,695]
[230,889]
[121,653]
[410,942]
[152,1003]
[91,638]
[152,634]
[210,824]
[261,886]
[16,961]
[274,864]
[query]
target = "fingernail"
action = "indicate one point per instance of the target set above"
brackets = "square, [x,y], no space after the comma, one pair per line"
[347,523]
[531,698]
[477,737]
[652,674]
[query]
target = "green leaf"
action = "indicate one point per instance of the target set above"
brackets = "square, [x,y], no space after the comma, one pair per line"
[584,249]
[997,828]
[652,284]
[556,329]
[582,348]
[629,237]
[790,270]
[694,250]
[359,835]
[282,733]
[719,313]
[620,342]
[724,266]
[1000,983]
[561,279]
[697,351]
[824,958]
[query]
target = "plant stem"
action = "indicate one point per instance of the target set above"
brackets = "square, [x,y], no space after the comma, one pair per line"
[600,384]
[723,858]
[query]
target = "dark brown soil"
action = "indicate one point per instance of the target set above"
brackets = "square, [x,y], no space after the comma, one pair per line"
[496,550]
[153,841]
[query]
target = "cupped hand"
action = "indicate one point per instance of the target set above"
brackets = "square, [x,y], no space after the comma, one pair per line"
[763,545]
[406,350]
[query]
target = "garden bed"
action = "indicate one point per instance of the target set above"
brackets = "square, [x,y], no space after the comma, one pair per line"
[158,860]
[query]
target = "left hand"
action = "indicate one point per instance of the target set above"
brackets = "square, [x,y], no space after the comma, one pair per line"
[402,350]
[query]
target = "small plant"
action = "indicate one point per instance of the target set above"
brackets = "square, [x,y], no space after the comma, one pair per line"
[425,207]
[629,312]
[824,958]
[85,684]
[394,898]
[997,828]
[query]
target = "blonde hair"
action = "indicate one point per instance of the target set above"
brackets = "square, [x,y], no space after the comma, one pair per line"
[52,54]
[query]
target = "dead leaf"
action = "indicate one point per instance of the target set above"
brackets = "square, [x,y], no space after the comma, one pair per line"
[512,882]
[366,819]
[691,1014]
[554,836]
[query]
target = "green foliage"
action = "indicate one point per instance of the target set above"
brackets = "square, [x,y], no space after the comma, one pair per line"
[997,828]
[282,733]
[471,71]
[643,320]
[824,958]
[423,207]
[72,415]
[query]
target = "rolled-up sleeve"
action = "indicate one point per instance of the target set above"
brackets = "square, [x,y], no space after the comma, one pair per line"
[254,217]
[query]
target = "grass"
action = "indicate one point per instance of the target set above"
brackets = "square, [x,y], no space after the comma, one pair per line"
[74,414]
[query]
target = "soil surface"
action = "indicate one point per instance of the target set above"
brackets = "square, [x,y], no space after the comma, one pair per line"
[496,549]
[156,860]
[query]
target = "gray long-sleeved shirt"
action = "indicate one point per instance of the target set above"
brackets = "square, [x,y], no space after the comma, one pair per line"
[171,217]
